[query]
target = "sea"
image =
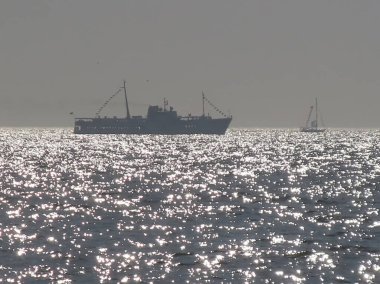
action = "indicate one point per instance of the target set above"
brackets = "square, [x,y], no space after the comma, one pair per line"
[251,206]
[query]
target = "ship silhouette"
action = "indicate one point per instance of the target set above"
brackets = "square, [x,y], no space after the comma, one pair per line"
[159,120]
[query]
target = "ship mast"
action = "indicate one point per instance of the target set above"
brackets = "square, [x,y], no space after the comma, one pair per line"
[166,103]
[126,100]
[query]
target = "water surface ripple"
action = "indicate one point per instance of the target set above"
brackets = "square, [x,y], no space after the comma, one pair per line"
[265,206]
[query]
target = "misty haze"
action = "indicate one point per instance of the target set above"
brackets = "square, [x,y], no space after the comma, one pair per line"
[262,61]
[202,141]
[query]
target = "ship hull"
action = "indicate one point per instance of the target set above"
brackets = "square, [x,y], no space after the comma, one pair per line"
[201,125]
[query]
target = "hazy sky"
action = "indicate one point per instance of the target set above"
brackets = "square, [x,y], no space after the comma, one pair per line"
[263,61]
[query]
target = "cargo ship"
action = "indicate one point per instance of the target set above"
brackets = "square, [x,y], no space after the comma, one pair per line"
[159,120]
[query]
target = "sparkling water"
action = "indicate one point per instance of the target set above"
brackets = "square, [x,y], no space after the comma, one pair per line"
[263,206]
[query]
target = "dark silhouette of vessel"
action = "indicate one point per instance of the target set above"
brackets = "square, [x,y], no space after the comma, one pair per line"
[159,120]
[313,126]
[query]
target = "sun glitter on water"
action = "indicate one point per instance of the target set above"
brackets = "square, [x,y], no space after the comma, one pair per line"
[266,206]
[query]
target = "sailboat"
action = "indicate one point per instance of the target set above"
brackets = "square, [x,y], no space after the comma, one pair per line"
[312,126]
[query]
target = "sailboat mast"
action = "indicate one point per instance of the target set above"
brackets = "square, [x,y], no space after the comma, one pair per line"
[316,113]
[126,100]
[203,103]
[309,116]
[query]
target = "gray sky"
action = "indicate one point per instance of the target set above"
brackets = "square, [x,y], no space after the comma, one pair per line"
[263,61]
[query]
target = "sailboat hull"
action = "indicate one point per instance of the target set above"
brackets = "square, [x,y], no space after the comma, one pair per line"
[312,130]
